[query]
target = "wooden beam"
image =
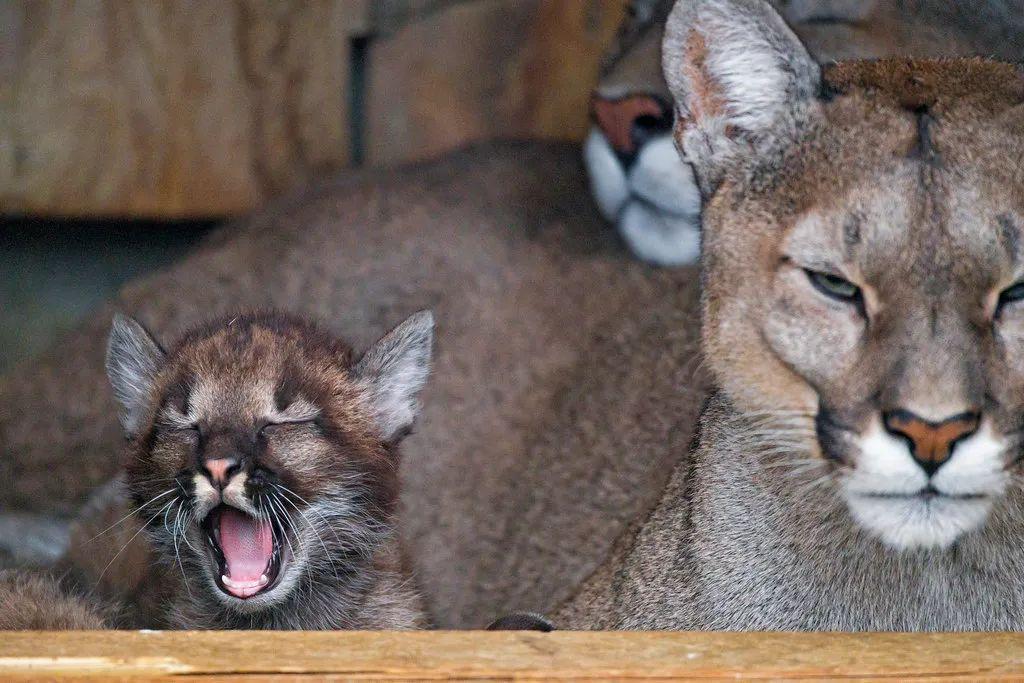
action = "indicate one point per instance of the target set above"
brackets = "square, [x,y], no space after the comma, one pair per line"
[490,655]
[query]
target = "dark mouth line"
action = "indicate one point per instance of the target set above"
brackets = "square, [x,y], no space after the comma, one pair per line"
[926,494]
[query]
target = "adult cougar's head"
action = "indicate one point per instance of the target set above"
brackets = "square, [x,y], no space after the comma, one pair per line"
[262,458]
[864,259]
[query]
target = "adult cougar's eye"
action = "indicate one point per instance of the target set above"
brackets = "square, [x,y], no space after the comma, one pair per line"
[834,286]
[1011,294]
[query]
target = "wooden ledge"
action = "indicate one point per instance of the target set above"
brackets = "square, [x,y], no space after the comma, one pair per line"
[502,655]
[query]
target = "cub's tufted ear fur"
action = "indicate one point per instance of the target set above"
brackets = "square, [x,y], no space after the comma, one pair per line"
[133,358]
[522,621]
[743,83]
[394,370]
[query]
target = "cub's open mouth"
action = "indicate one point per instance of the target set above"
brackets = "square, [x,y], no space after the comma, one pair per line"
[247,550]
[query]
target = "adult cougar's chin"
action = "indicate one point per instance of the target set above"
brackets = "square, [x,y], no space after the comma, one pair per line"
[910,503]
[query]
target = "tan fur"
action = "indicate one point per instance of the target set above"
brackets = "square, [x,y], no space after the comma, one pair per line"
[143,588]
[36,602]
[311,437]
[871,127]
[108,557]
[650,195]
[832,31]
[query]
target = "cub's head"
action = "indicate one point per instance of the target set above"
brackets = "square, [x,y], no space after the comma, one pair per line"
[262,456]
[863,260]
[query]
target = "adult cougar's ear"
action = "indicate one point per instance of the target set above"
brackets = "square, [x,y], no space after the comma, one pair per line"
[743,83]
[133,358]
[394,370]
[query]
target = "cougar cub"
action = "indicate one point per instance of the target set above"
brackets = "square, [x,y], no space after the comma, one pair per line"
[262,460]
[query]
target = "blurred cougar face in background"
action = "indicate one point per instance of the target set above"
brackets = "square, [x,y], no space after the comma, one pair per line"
[636,176]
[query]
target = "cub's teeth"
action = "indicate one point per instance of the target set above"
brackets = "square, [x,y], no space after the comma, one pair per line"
[230,583]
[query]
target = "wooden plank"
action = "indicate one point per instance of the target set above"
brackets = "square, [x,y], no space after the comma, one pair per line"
[521,655]
[170,109]
[193,108]
[488,69]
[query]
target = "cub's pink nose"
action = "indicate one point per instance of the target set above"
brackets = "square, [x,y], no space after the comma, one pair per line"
[220,470]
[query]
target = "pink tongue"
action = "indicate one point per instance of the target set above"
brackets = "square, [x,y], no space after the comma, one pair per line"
[247,545]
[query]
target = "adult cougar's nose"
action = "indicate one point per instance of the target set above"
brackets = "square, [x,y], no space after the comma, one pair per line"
[931,443]
[629,122]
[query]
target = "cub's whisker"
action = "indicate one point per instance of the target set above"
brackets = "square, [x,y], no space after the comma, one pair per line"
[131,514]
[134,536]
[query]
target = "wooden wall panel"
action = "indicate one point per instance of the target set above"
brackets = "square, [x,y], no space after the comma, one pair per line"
[195,108]
[479,70]
[183,108]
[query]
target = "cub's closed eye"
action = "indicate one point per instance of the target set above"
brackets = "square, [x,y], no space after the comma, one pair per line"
[1011,294]
[271,426]
[187,431]
[834,286]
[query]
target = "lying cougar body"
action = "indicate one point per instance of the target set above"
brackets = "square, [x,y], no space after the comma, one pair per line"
[36,602]
[534,302]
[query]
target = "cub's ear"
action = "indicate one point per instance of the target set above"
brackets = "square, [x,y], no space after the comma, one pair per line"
[743,83]
[133,358]
[394,370]
[522,621]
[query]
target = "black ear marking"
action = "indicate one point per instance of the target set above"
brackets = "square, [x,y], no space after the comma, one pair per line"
[522,621]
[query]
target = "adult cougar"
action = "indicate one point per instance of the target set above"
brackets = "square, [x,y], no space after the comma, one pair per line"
[863,318]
